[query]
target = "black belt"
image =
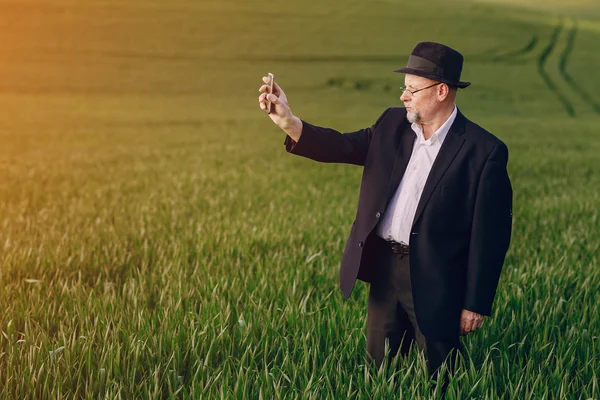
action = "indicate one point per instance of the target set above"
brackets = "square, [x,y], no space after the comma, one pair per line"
[400,248]
[397,248]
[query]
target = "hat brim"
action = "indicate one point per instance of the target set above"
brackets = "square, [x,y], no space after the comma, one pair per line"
[433,77]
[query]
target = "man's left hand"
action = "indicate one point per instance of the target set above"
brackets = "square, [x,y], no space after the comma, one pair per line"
[469,322]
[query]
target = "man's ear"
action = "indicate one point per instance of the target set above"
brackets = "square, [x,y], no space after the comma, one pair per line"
[443,92]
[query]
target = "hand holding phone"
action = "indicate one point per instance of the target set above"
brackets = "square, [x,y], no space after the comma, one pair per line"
[278,108]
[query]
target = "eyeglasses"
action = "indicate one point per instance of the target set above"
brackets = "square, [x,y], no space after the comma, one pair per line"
[412,92]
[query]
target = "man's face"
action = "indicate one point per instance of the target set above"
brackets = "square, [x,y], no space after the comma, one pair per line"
[419,106]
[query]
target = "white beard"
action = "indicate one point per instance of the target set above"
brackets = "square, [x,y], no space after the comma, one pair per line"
[413,116]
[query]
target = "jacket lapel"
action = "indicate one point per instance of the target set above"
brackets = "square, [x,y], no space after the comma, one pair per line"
[404,147]
[452,143]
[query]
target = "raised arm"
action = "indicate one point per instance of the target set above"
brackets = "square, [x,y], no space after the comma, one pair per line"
[328,145]
[315,142]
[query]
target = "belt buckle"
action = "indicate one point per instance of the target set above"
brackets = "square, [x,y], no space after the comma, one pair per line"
[400,248]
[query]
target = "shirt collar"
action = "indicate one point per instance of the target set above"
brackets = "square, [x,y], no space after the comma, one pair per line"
[439,135]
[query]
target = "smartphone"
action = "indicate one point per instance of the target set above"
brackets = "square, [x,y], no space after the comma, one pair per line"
[269,91]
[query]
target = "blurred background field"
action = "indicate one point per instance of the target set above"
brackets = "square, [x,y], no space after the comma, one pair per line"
[156,241]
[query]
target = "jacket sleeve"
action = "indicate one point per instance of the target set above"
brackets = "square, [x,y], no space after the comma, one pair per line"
[330,146]
[490,233]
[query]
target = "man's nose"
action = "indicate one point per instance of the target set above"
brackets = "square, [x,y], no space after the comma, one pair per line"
[404,96]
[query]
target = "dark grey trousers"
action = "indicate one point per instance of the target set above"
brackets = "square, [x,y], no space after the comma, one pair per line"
[391,315]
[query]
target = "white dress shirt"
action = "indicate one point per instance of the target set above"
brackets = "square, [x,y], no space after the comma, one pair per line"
[398,217]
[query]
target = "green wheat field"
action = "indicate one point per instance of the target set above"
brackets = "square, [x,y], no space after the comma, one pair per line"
[156,240]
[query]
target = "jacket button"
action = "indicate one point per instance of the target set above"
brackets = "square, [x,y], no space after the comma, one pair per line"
[414,233]
[360,244]
[378,215]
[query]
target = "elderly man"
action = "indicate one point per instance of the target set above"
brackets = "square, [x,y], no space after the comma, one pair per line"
[434,215]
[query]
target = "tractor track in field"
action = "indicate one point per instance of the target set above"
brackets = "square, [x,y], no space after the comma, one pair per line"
[517,55]
[541,66]
[522,56]
[562,68]
[507,56]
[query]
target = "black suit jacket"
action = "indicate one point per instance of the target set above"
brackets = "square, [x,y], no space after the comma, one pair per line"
[462,226]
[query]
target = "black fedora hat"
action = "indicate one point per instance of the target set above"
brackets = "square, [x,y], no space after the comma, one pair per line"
[437,62]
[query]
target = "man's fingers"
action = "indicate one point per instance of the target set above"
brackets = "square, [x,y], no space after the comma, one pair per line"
[469,322]
[479,323]
[468,325]
[268,97]
[276,87]
[273,99]
[263,98]
[277,98]
[472,325]
[261,101]
[463,327]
